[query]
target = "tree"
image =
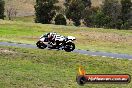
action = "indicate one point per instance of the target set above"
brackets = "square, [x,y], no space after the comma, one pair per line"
[100,19]
[87,3]
[19,8]
[126,13]
[74,10]
[130,18]
[11,9]
[45,11]
[60,20]
[112,9]
[2,4]
[89,16]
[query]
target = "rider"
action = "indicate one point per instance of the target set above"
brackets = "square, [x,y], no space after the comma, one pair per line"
[55,38]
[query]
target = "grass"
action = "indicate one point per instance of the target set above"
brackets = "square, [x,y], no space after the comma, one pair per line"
[94,39]
[34,68]
[23,19]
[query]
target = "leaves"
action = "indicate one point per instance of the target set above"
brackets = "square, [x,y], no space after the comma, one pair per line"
[2,4]
[45,11]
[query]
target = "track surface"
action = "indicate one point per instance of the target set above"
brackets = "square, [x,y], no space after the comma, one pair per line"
[103,54]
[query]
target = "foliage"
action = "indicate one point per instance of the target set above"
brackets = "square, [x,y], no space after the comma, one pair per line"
[45,11]
[74,10]
[126,13]
[12,9]
[2,4]
[88,16]
[112,14]
[112,8]
[60,20]
[87,3]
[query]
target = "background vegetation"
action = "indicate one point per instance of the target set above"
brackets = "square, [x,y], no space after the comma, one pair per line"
[89,13]
[112,13]
[2,3]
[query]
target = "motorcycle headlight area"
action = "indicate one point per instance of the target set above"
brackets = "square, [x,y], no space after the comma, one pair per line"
[71,38]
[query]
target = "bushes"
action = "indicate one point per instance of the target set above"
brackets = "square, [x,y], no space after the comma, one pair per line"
[97,19]
[60,20]
[112,14]
[89,15]
[45,11]
[74,11]
[2,3]
[126,13]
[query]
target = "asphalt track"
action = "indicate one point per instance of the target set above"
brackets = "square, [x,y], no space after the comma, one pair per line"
[85,52]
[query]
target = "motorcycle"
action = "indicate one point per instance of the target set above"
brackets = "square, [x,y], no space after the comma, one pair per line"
[64,43]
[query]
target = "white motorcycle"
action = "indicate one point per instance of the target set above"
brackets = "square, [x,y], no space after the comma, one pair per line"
[61,42]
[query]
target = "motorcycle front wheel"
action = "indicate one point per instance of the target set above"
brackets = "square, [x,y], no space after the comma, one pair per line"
[41,45]
[68,47]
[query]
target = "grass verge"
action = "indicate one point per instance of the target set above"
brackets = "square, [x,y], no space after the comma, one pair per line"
[34,68]
[94,39]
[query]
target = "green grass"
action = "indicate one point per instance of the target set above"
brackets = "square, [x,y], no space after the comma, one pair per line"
[34,68]
[23,19]
[94,39]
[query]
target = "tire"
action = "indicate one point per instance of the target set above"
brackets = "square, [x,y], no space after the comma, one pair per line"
[41,45]
[68,47]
